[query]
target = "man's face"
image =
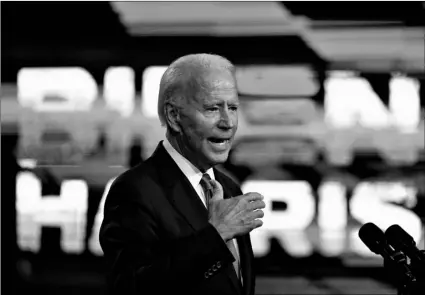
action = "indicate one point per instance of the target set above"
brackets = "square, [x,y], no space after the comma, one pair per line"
[209,120]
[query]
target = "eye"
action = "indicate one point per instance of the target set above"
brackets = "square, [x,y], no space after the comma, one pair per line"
[212,109]
[233,108]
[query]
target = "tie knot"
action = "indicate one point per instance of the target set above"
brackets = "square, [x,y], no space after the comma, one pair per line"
[206,182]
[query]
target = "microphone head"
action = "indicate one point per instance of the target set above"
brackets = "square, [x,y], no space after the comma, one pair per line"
[398,237]
[373,237]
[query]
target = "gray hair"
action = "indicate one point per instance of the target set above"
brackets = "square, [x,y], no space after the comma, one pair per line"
[184,76]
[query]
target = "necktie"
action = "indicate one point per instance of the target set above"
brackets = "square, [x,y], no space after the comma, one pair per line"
[207,186]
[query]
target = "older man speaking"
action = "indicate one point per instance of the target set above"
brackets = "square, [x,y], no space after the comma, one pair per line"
[174,224]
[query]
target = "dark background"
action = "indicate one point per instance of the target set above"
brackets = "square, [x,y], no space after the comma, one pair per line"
[92,36]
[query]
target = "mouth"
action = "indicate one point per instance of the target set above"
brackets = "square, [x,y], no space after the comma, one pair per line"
[219,141]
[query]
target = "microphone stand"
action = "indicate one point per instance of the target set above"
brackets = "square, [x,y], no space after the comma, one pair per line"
[406,280]
[418,268]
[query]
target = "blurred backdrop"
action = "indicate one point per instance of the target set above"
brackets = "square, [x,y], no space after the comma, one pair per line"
[331,130]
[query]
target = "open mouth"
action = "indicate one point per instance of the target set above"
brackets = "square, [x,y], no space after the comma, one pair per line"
[219,141]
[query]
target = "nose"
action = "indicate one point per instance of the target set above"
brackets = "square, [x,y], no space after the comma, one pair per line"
[227,119]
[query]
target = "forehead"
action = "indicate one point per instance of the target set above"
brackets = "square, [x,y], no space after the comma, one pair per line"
[217,85]
[218,79]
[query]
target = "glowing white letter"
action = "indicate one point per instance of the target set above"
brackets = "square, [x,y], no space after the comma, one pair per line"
[74,89]
[67,211]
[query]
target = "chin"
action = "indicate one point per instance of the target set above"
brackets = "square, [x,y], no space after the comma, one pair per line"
[218,159]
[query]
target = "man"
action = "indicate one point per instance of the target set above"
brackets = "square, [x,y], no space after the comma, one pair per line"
[174,224]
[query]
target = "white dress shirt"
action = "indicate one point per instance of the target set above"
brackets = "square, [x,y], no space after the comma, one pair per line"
[192,173]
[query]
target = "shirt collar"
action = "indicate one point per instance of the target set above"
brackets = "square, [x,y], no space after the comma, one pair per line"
[192,173]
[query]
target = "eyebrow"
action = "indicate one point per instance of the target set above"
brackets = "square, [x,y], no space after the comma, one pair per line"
[211,103]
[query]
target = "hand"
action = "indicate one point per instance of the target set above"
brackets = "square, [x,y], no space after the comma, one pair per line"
[235,216]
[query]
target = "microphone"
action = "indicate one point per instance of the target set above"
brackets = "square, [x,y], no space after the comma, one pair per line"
[402,241]
[374,238]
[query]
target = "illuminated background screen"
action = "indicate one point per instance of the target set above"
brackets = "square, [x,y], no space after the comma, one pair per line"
[323,171]
[325,166]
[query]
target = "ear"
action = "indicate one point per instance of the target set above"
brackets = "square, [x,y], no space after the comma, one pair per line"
[172,116]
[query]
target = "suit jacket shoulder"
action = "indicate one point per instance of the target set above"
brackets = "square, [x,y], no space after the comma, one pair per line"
[133,182]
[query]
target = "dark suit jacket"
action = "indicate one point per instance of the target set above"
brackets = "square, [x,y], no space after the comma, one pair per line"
[157,238]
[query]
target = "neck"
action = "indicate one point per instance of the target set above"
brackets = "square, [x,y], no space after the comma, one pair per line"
[181,148]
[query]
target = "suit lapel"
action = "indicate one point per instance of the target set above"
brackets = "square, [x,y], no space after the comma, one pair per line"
[179,190]
[245,253]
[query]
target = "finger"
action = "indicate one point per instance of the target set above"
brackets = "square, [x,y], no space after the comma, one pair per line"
[255,214]
[249,197]
[258,214]
[256,223]
[256,205]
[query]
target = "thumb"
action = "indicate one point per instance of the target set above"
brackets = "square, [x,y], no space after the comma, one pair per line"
[217,190]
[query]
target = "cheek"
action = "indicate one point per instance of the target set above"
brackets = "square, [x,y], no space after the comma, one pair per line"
[198,129]
[195,134]
[202,129]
